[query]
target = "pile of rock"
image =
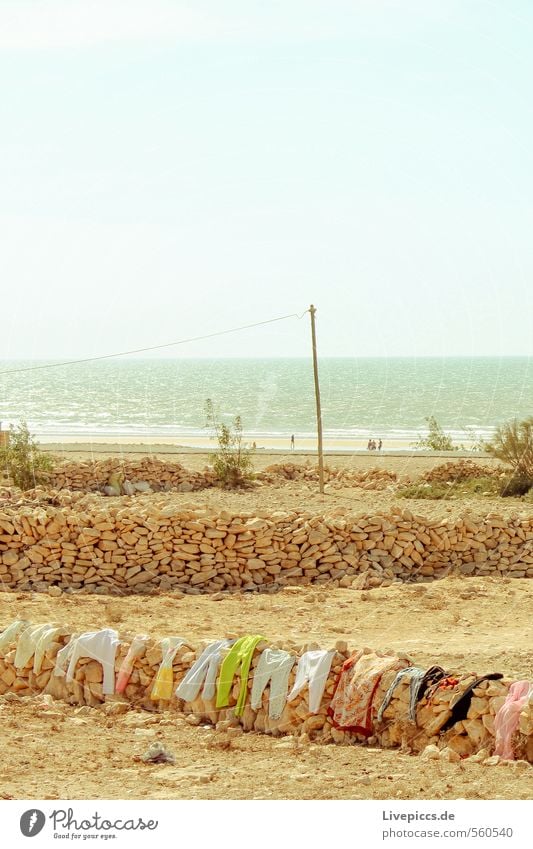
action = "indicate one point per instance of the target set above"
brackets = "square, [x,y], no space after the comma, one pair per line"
[129,476]
[372,479]
[468,737]
[460,470]
[158,544]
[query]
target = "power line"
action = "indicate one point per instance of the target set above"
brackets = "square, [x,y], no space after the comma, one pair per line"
[155,347]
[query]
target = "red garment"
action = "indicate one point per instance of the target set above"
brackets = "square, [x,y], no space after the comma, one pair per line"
[351,705]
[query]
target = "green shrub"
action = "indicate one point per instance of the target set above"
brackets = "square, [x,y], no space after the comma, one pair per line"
[438,490]
[513,444]
[436,439]
[233,460]
[515,486]
[433,491]
[22,460]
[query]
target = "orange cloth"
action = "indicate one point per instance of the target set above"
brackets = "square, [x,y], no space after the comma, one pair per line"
[351,705]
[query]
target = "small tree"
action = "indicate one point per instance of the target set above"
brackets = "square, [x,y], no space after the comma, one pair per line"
[513,444]
[436,440]
[24,463]
[233,460]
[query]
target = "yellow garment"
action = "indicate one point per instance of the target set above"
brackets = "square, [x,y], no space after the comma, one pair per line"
[163,683]
[240,655]
[162,688]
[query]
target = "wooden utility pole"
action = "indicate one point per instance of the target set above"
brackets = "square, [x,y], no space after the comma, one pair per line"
[312,311]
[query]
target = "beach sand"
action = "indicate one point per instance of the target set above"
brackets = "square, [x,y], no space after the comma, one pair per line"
[162,444]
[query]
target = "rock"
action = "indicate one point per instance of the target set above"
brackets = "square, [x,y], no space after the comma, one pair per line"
[157,753]
[431,752]
[450,755]
[142,486]
[494,760]
[55,591]
[185,486]
[116,708]
[479,757]
[128,488]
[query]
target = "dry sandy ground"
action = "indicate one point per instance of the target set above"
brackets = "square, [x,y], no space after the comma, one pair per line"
[401,463]
[478,624]
[295,495]
[56,751]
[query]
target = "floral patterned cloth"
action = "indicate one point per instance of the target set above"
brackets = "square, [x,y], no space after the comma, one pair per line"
[351,705]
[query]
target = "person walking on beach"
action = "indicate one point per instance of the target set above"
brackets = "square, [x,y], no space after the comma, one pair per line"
[380,443]
[292,442]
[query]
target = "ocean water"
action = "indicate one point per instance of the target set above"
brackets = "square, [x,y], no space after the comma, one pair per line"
[384,398]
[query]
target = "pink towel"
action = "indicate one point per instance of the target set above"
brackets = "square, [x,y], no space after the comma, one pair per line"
[506,720]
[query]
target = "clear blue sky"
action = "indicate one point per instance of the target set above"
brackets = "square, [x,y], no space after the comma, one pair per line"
[169,169]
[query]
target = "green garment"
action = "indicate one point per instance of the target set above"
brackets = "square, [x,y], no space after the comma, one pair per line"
[240,654]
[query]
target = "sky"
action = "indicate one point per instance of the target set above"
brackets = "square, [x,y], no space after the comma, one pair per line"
[170,170]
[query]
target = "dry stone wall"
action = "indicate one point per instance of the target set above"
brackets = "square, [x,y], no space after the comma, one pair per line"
[164,475]
[126,548]
[158,475]
[473,736]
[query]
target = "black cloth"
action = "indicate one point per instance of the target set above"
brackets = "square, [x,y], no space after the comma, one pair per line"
[459,707]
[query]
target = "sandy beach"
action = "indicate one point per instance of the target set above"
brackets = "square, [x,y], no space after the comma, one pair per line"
[162,444]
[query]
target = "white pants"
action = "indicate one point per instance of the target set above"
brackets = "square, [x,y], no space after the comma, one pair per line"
[313,668]
[274,666]
[101,646]
[203,671]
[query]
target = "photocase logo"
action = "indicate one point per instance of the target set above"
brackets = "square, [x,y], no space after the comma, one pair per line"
[32,822]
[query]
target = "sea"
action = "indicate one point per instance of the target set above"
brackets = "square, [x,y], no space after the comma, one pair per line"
[386,399]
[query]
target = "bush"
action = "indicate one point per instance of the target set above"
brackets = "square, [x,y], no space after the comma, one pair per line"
[515,486]
[437,490]
[21,458]
[436,440]
[233,460]
[432,491]
[513,444]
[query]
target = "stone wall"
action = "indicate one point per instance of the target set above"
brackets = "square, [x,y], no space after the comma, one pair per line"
[137,548]
[473,736]
[164,475]
[158,475]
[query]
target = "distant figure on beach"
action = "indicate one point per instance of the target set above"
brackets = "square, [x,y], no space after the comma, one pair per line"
[380,443]
[254,446]
[292,442]
[369,446]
